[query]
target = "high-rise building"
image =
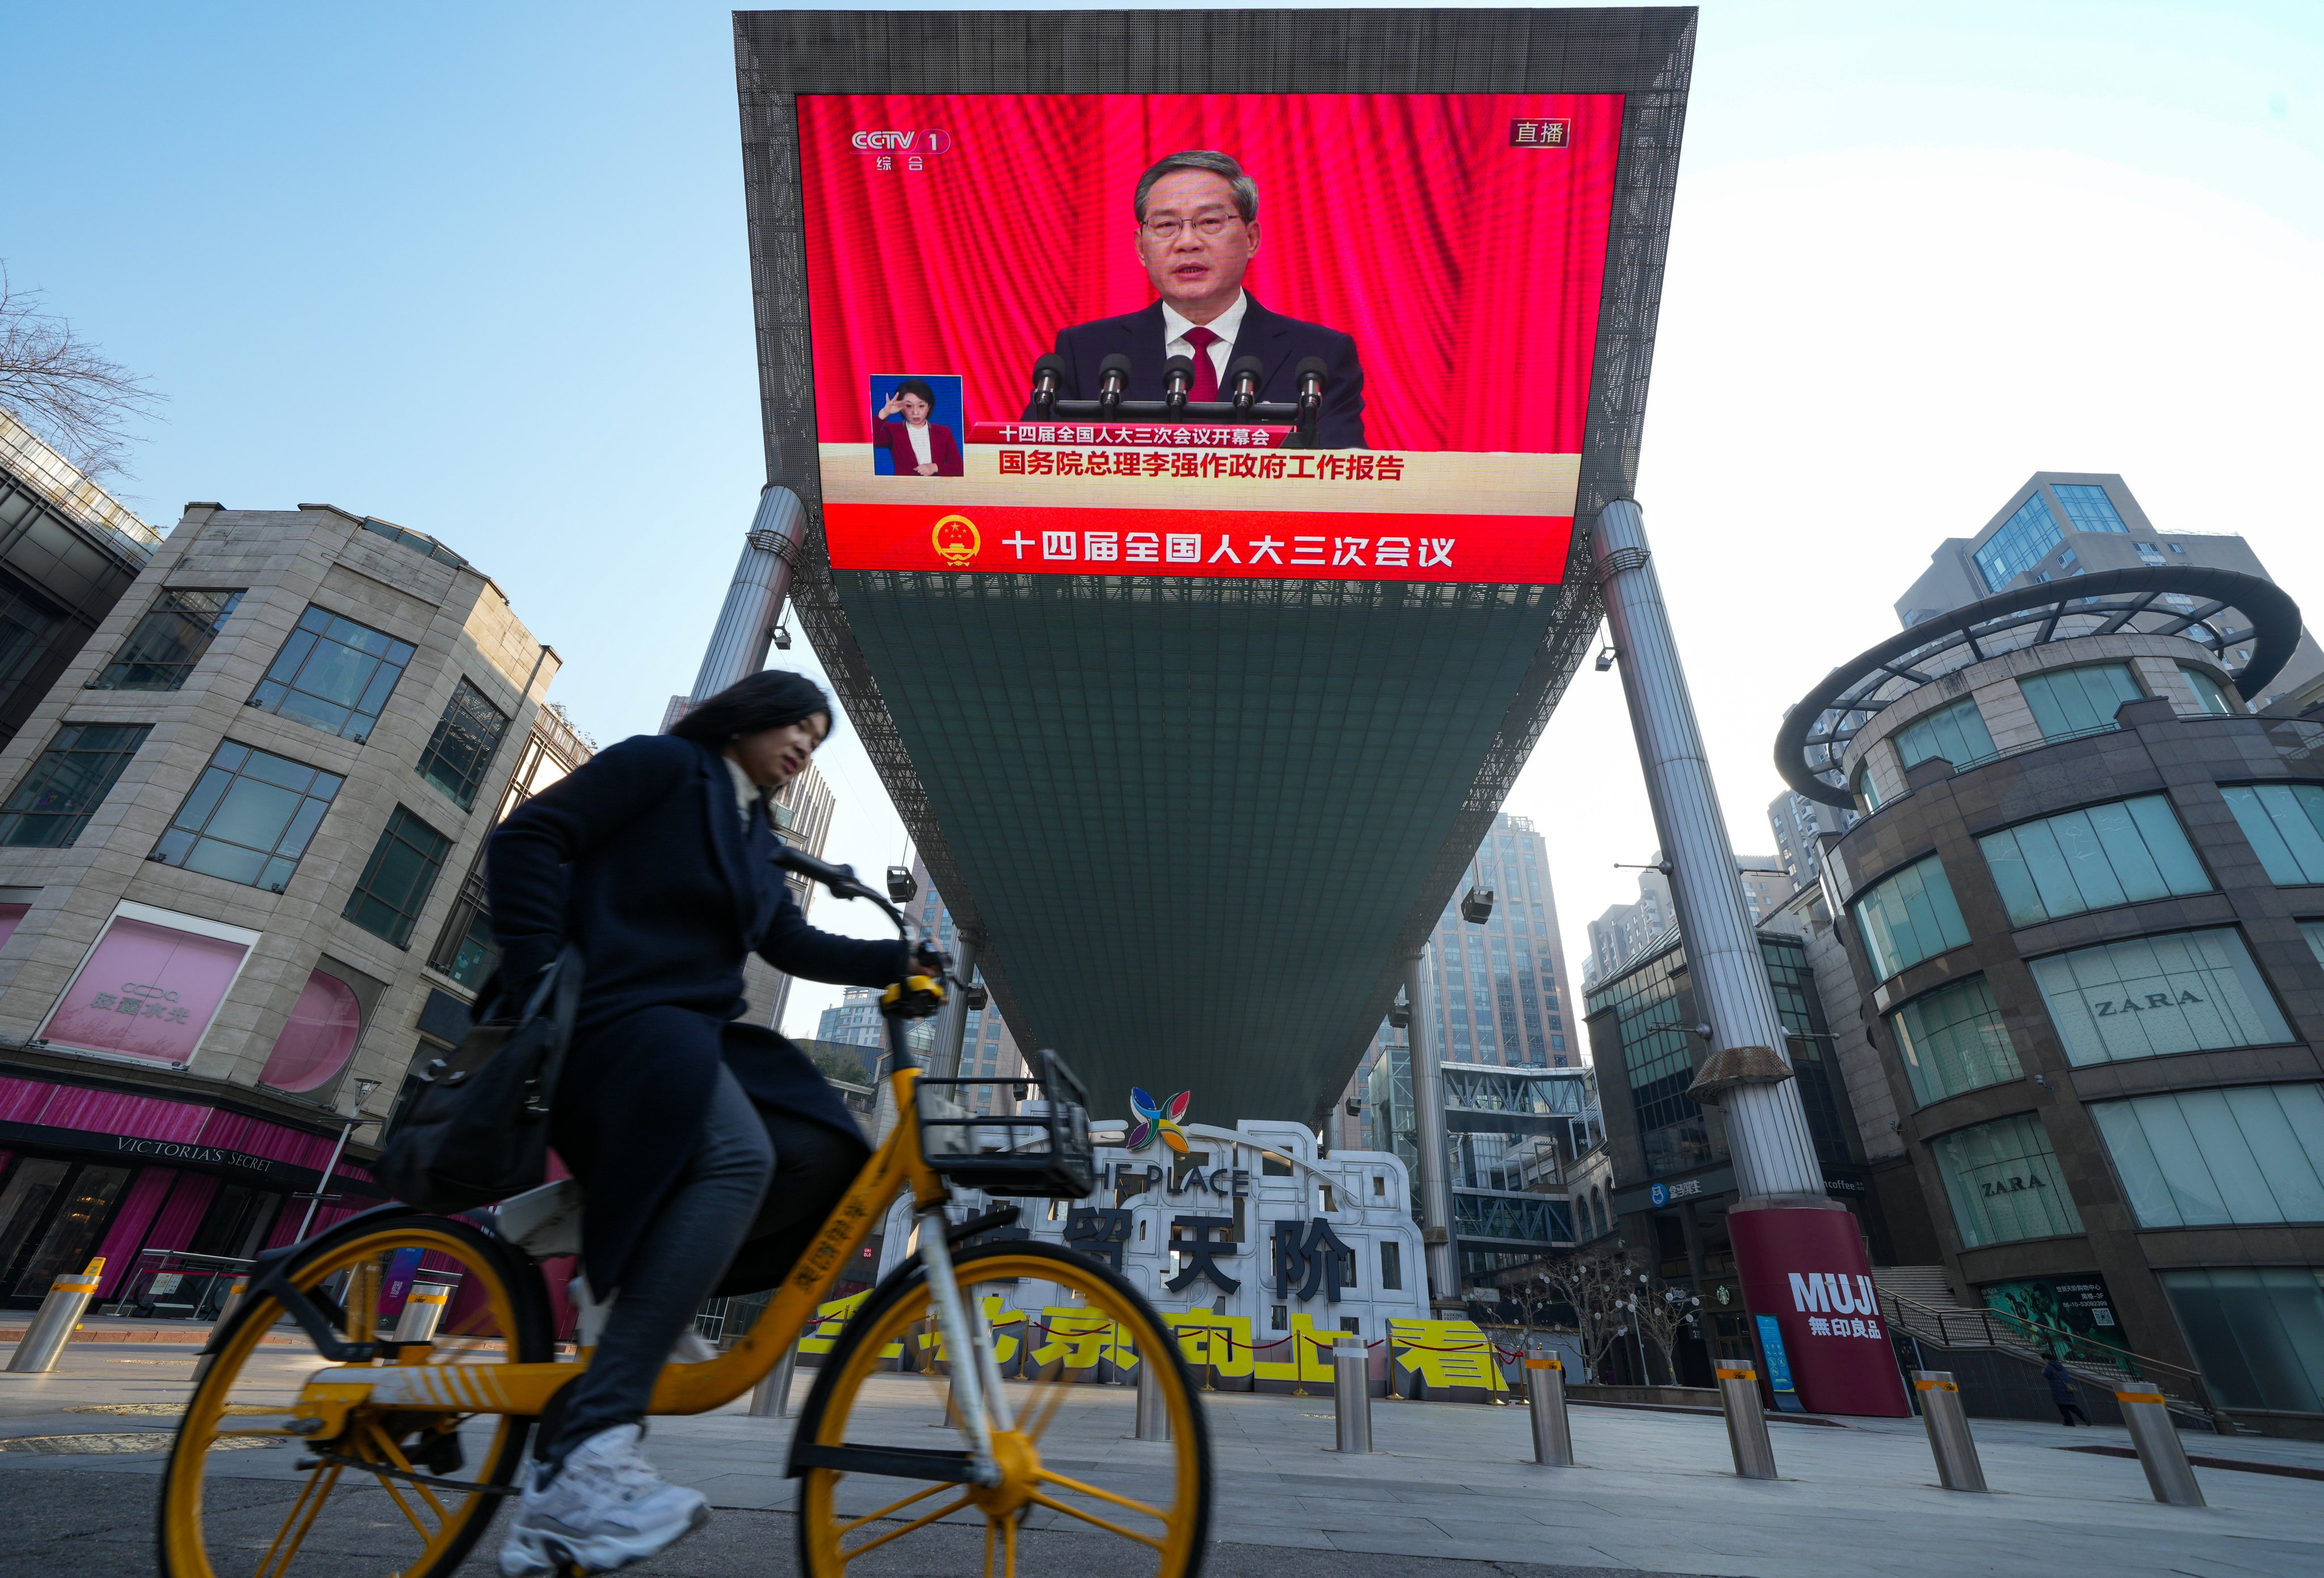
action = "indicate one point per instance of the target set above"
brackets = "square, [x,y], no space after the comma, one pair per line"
[987,1049]
[854,1021]
[2061,524]
[1624,933]
[227,922]
[1799,822]
[67,552]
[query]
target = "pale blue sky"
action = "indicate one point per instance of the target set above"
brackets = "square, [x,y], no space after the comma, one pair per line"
[481,269]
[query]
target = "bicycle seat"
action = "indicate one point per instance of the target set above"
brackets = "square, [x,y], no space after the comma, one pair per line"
[544,1221]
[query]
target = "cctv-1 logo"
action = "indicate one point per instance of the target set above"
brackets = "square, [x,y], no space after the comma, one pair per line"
[930,141]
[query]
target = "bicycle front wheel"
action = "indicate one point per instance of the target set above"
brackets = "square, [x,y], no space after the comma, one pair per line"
[1068,1462]
[407,1491]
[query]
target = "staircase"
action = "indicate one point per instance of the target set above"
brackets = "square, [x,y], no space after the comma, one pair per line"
[1919,1302]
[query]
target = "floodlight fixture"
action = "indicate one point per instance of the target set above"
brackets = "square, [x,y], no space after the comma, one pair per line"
[902,886]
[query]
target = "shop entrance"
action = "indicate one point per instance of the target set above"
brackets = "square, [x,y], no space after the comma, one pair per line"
[52,1215]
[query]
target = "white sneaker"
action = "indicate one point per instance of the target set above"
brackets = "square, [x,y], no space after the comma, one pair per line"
[606,1508]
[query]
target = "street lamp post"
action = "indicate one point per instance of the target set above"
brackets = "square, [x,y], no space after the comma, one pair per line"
[348,1124]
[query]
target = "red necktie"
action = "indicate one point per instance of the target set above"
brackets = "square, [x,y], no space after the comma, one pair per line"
[1206,374]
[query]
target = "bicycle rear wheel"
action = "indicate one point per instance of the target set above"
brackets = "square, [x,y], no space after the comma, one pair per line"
[405,1492]
[1068,1464]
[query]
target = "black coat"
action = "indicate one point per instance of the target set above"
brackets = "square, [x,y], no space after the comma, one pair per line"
[1281,343]
[642,859]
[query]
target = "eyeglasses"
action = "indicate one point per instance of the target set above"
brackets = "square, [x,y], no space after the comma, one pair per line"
[1208,226]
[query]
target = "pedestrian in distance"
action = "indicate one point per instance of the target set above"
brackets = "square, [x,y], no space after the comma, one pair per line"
[2062,1392]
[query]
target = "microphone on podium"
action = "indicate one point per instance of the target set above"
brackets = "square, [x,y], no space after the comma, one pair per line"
[1047,373]
[1242,378]
[1177,382]
[1113,379]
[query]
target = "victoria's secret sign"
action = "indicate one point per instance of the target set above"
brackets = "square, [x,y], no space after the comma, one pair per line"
[175,1150]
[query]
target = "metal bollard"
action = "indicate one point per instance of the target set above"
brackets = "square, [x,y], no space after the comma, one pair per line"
[1351,1395]
[772,1398]
[1552,1432]
[52,1326]
[1153,1408]
[1949,1436]
[1747,1422]
[423,1309]
[2160,1452]
[232,1299]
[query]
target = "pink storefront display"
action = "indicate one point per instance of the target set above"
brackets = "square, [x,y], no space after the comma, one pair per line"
[147,991]
[319,1038]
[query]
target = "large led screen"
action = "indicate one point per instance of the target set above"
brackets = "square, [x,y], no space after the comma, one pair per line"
[1403,290]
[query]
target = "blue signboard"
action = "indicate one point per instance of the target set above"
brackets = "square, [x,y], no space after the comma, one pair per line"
[1779,1367]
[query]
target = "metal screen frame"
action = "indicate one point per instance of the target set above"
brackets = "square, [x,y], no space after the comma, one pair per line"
[1645,53]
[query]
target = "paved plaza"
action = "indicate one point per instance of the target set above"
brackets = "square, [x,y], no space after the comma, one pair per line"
[1451,1493]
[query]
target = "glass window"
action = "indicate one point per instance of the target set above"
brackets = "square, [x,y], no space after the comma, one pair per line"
[2023,539]
[2193,992]
[1955,733]
[2250,1156]
[167,642]
[2087,508]
[2004,1184]
[2285,825]
[333,674]
[2257,1332]
[68,783]
[466,739]
[27,623]
[2313,930]
[394,887]
[2211,695]
[1862,784]
[1908,917]
[2071,702]
[249,818]
[1954,1039]
[2122,853]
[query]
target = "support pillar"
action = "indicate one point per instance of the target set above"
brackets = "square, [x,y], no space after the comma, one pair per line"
[754,597]
[1428,1135]
[1794,1247]
[952,1020]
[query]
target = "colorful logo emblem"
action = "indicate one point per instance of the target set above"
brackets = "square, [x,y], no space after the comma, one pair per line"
[1155,1120]
[957,539]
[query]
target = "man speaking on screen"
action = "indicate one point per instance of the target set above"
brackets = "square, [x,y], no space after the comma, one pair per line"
[1197,231]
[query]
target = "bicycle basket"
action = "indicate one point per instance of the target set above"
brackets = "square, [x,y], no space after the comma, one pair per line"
[970,1134]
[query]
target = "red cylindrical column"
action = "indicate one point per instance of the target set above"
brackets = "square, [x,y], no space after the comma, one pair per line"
[1806,1267]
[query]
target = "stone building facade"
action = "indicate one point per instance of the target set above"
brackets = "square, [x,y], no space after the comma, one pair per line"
[232,839]
[2085,915]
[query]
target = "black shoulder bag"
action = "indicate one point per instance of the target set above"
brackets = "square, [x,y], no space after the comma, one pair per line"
[478,1131]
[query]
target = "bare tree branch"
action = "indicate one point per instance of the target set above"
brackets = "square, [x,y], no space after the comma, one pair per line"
[1662,1312]
[80,402]
[1598,1284]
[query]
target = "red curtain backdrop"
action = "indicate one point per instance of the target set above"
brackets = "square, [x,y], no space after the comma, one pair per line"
[1467,269]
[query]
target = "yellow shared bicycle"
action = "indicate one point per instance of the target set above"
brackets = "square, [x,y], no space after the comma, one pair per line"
[364,1408]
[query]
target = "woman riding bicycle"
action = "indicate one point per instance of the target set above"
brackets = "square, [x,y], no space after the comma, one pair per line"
[657,859]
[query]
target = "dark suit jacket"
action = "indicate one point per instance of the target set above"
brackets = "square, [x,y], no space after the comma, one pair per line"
[641,859]
[894,437]
[1280,342]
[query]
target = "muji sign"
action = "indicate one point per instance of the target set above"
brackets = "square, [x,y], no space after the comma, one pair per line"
[1805,1268]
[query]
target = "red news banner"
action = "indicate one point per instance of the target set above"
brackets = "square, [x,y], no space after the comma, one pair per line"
[1039,499]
